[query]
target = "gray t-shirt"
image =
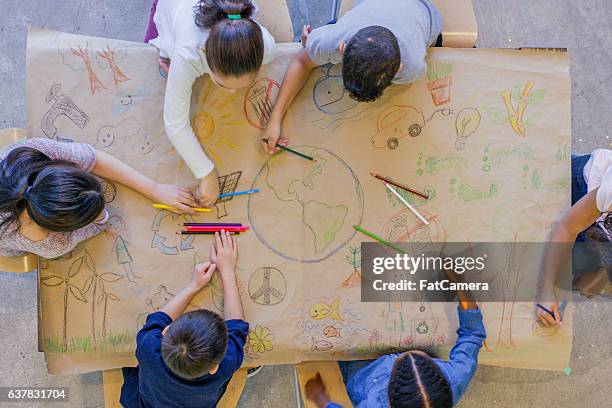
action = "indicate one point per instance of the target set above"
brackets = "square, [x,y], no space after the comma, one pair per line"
[415,23]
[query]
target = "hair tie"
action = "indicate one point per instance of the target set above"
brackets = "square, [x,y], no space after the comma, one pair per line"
[26,195]
[234,16]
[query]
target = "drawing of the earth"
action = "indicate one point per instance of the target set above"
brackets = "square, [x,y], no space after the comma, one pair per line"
[305,210]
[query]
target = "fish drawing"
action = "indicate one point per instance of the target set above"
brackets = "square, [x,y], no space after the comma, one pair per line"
[321,345]
[320,311]
[331,331]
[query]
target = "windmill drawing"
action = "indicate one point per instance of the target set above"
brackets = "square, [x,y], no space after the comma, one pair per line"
[227,184]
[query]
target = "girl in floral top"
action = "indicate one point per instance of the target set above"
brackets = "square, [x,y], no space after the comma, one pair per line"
[50,200]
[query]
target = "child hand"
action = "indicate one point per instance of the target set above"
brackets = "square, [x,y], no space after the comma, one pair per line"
[545,317]
[224,253]
[202,274]
[305,31]
[174,196]
[315,391]
[273,136]
[208,191]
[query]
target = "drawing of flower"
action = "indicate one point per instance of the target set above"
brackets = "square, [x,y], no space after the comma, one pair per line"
[260,339]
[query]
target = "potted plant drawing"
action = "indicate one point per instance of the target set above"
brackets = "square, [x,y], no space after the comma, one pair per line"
[440,81]
[70,290]
[97,283]
[353,259]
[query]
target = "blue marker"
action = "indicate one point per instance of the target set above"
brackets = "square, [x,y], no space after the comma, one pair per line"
[237,193]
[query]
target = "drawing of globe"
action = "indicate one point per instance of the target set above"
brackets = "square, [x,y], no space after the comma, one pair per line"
[305,210]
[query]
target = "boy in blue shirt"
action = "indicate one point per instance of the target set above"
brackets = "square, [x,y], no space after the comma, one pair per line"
[412,379]
[186,360]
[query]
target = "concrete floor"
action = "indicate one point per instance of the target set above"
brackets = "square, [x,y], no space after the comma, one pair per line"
[582,26]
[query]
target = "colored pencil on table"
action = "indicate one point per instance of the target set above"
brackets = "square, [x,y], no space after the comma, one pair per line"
[212,224]
[280,146]
[203,233]
[167,207]
[396,184]
[215,229]
[237,193]
[377,238]
[406,203]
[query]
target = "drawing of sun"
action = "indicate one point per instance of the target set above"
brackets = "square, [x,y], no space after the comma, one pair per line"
[212,124]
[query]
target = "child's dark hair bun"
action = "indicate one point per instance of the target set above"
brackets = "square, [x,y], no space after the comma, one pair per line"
[210,12]
[417,382]
[235,45]
[57,195]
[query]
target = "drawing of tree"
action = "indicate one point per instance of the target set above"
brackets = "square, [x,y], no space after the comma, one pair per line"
[69,289]
[95,283]
[94,83]
[110,58]
[353,259]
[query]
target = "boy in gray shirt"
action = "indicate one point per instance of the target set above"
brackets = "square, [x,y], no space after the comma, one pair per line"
[378,42]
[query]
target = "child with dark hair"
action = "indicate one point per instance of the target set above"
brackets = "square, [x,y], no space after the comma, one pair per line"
[216,37]
[412,379]
[50,200]
[589,223]
[187,360]
[378,42]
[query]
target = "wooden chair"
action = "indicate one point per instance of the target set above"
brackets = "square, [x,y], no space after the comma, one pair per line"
[332,378]
[459,26]
[274,15]
[113,380]
[25,263]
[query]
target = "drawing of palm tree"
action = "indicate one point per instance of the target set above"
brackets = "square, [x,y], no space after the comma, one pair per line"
[69,289]
[94,282]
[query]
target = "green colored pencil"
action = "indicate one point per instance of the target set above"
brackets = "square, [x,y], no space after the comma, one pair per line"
[287,149]
[377,238]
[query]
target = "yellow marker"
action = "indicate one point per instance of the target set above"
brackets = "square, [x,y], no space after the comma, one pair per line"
[167,207]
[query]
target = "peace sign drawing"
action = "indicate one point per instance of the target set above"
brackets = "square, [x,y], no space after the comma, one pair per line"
[267,286]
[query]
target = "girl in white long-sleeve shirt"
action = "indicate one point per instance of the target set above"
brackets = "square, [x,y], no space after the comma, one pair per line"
[215,37]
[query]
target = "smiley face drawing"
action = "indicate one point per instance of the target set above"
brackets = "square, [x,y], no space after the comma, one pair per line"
[395,123]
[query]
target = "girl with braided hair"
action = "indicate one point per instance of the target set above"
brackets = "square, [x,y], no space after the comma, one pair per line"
[412,379]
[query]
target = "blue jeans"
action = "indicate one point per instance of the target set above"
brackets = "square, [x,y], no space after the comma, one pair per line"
[579,185]
[585,257]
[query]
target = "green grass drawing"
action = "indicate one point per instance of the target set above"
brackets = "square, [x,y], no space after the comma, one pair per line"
[439,70]
[110,342]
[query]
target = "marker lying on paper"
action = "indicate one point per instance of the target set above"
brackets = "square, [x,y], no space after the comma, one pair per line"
[237,193]
[167,207]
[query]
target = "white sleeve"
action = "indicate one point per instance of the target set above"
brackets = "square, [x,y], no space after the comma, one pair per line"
[604,194]
[177,103]
[269,46]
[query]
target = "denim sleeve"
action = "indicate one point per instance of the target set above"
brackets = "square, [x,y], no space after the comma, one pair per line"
[237,332]
[333,405]
[463,360]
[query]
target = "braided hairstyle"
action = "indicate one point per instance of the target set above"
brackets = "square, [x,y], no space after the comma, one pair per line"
[234,47]
[417,382]
[57,195]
